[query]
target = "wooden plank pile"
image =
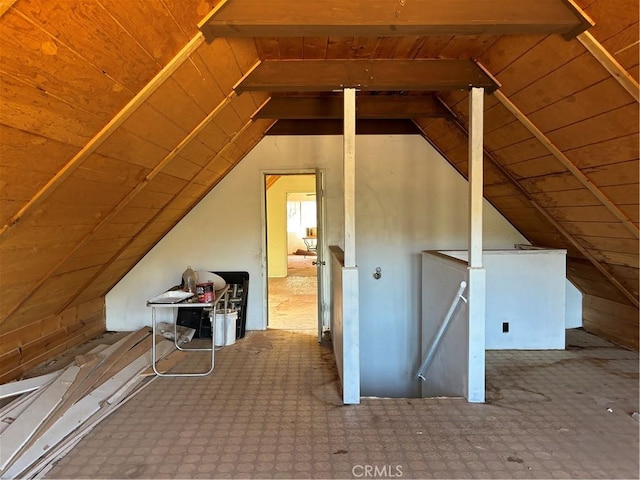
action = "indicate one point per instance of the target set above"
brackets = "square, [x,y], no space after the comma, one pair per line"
[52,413]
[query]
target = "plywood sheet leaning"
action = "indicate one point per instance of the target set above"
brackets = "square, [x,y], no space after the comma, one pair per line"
[46,423]
[22,429]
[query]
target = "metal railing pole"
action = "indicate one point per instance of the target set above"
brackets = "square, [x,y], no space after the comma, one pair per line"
[435,343]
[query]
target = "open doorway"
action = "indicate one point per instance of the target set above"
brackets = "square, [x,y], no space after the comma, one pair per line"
[292,252]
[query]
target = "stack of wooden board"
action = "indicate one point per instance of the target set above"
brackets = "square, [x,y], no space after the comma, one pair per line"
[53,412]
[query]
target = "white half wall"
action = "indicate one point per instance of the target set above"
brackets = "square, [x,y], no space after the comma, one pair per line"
[448,373]
[408,199]
[526,297]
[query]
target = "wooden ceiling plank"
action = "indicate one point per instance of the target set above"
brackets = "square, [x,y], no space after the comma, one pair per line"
[385,47]
[246,104]
[615,174]
[315,47]
[86,29]
[125,201]
[131,148]
[339,47]
[112,126]
[544,58]
[568,164]
[43,114]
[29,151]
[429,47]
[159,35]
[291,47]
[375,107]
[614,124]
[371,75]
[610,64]
[187,13]
[595,100]
[150,221]
[624,48]
[611,16]
[543,212]
[466,46]
[220,59]
[268,48]
[363,47]
[379,18]
[574,76]
[38,58]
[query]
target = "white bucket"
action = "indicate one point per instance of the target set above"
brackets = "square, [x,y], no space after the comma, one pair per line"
[219,330]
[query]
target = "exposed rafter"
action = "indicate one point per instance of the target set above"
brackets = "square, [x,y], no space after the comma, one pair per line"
[613,67]
[125,201]
[543,211]
[369,107]
[5,5]
[369,75]
[185,188]
[568,164]
[107,131]
[374,18]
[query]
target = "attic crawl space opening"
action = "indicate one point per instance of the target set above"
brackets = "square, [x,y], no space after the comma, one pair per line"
[117,118]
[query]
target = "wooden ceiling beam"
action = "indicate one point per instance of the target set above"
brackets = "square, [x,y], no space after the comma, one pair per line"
[366,75]
[367,107]
[394,126]
[385,18]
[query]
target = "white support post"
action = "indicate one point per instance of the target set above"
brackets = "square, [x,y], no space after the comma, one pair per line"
[476,109]
[477,275]
[349,171]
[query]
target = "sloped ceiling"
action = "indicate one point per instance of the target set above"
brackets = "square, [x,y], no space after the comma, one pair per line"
[117,118]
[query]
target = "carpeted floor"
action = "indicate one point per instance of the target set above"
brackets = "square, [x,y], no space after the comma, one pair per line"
[272,409]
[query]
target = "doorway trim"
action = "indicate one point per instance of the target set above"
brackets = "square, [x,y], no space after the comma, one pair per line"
[264,253]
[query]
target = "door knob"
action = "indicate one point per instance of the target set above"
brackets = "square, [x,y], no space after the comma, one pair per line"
[318,263]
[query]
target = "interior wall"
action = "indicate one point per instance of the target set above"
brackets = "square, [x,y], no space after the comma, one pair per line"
[449,373]
[408,199]
[277,237]
[527,290]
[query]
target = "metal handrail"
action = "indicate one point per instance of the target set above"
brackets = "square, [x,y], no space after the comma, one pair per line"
[441,331]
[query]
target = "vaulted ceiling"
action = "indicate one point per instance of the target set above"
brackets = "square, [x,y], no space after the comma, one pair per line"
[117,117]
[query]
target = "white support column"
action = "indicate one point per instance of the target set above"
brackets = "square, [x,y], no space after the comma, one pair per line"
[477,275]
[350,294]
[476,109]
[349,171]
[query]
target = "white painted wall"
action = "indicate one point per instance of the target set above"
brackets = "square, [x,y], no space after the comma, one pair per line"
[448,373]
[526,289]
[573,306]
[408,199]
